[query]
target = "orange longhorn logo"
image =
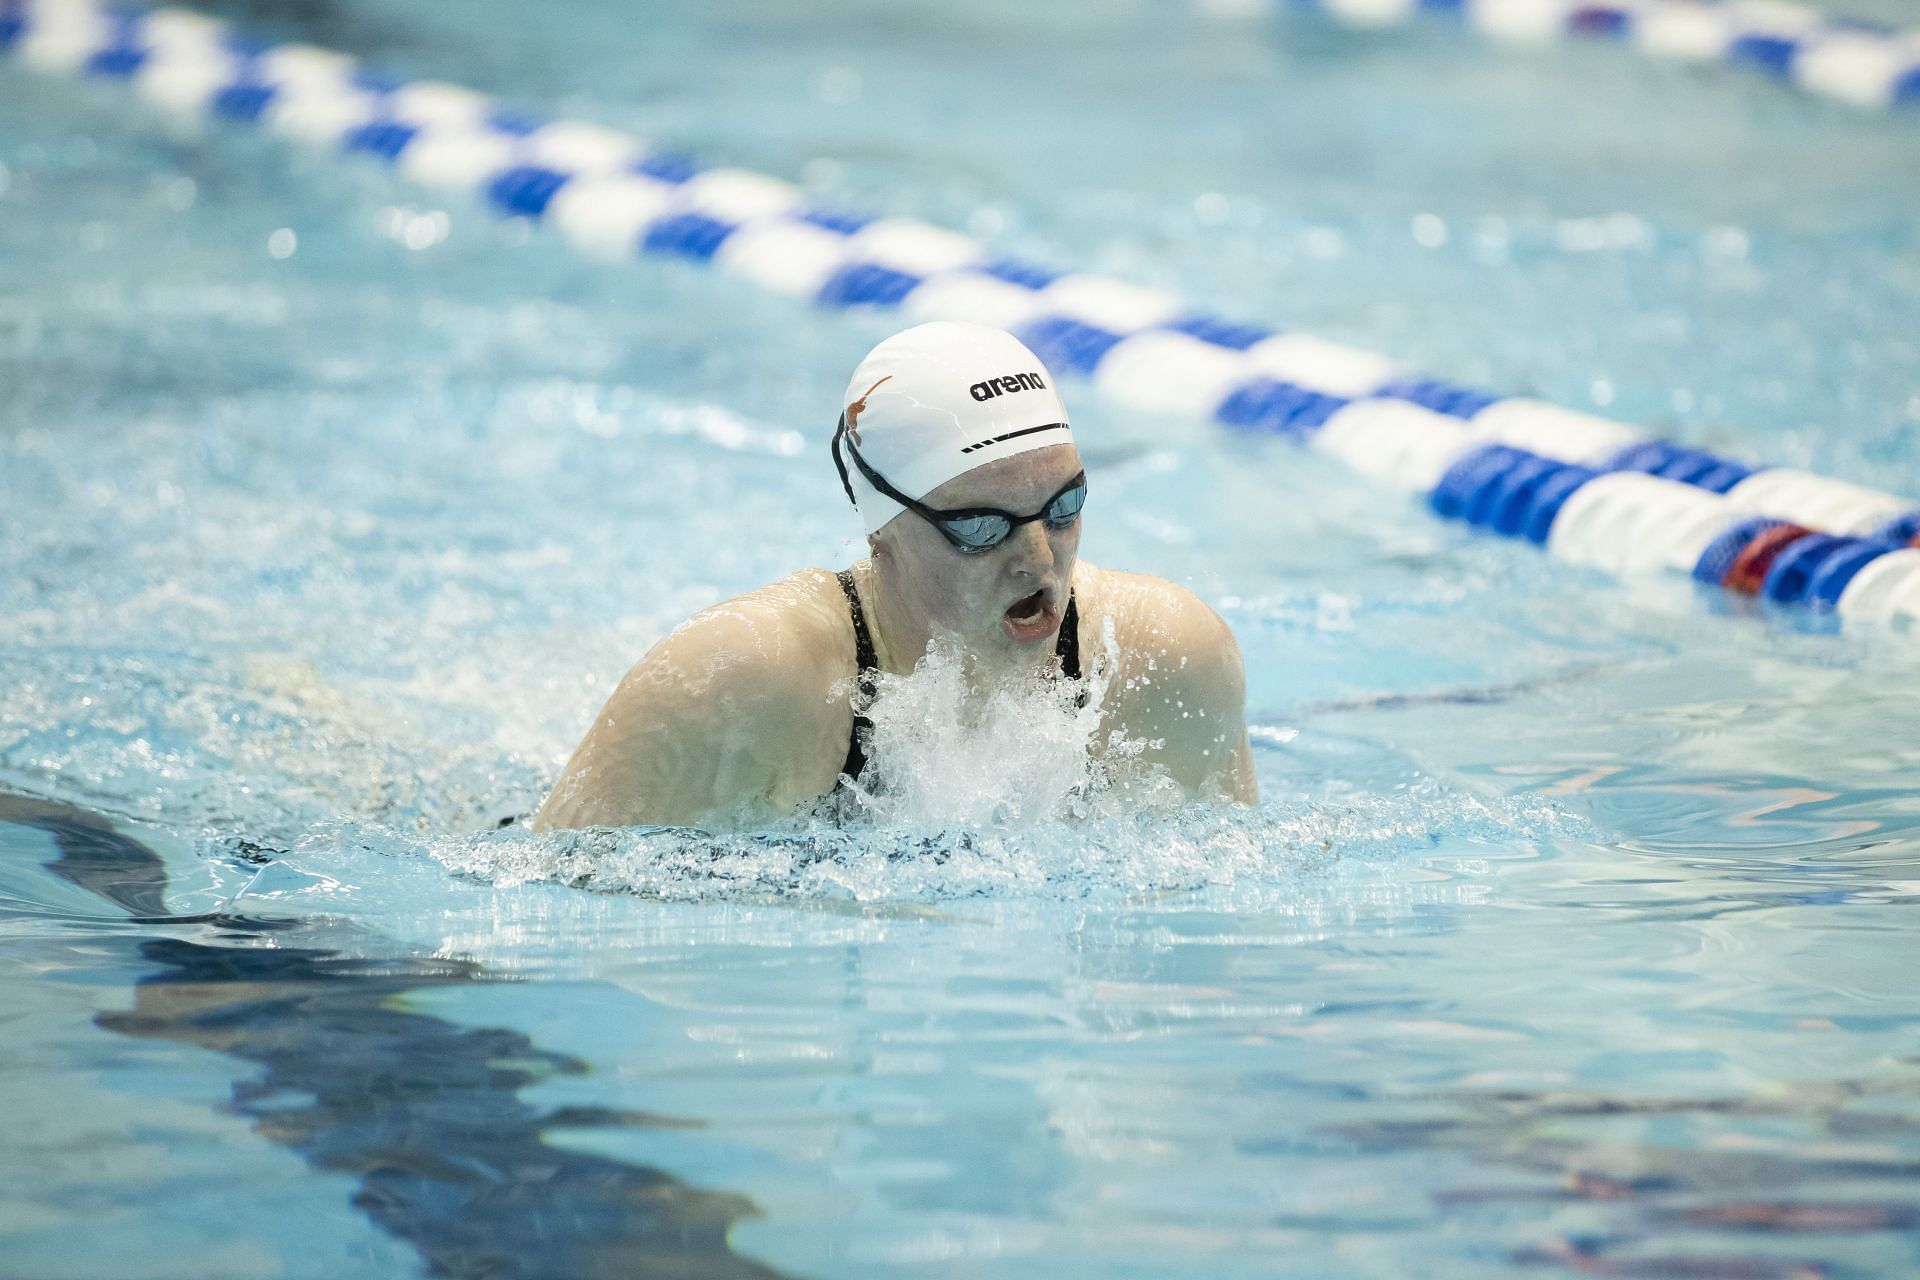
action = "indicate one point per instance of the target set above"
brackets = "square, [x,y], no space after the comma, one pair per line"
[859,407]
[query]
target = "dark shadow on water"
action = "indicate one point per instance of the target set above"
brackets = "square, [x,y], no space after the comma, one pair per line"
[424,1112]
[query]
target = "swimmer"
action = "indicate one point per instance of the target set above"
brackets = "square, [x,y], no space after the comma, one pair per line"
[955,450]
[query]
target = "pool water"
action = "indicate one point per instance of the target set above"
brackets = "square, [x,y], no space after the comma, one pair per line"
[1572,932]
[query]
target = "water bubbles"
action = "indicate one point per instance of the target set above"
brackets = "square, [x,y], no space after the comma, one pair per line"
[416,229]
[1429,231]
[282,243]
[426,231]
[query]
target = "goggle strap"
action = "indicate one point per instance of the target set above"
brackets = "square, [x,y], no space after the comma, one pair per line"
[839,463]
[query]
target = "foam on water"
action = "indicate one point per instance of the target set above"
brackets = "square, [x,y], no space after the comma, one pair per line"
[1106,857]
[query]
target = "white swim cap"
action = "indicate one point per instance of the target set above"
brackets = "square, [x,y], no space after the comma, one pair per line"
[938,400]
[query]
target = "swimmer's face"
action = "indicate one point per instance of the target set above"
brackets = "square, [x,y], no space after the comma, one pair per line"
[1005,604]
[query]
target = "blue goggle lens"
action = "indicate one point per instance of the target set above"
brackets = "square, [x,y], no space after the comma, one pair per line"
[973,534]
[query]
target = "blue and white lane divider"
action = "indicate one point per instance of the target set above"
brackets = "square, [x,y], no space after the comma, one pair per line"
[1591,490]
[1867,64]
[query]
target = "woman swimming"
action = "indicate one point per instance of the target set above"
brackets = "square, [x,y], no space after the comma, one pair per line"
[955,449]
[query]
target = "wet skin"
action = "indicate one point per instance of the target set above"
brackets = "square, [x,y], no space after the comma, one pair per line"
[743,712]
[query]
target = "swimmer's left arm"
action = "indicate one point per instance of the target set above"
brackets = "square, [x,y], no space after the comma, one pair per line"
[1197,704]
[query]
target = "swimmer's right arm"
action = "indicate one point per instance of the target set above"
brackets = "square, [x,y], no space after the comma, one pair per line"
[704,725]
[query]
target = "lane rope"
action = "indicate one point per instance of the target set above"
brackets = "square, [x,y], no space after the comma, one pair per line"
[1867,64]
[1590,490]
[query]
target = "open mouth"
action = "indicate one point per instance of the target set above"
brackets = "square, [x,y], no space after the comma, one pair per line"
[1028,610]
[1031,618]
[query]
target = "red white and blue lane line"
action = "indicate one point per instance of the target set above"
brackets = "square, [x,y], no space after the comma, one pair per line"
[1869,64]
[1590,490]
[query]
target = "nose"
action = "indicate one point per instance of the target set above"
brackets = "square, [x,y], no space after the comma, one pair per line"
[1030,550]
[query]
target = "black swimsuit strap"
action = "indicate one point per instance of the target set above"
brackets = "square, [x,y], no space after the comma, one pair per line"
[1069,646]
[863,653]
[867,664]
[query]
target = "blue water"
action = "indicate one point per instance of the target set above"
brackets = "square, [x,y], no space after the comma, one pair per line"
[1572,932]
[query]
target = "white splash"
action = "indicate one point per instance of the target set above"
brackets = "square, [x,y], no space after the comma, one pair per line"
[950,751]
[1274,847]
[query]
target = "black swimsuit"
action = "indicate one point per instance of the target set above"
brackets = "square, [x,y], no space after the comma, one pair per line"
[1068,649]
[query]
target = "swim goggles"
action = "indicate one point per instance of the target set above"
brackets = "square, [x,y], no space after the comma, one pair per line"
[972,530]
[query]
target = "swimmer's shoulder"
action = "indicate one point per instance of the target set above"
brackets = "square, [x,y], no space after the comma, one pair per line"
[784,643]
[1178,680]
[1151,617]
[730,714]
